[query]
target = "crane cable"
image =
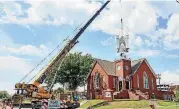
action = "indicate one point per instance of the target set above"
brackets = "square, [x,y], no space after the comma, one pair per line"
[53,51]
[49,54]
[42,61]
[121,19]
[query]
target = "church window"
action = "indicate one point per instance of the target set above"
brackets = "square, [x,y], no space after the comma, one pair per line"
[137,81]
[152,84]
[96,80]
[146,82]
[114,82]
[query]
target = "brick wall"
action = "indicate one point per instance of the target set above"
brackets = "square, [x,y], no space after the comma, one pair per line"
[140,72]
[123,72]
[97,68]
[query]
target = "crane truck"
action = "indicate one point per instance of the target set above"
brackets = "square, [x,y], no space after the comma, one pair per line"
[34,92]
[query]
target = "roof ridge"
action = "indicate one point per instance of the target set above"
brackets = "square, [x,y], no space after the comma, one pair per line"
[139,59]
[103,60]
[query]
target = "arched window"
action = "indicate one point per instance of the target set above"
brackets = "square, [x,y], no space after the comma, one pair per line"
[96,79]
[146,82]
[114,82]
[152,84]
[138,81]
[103,81]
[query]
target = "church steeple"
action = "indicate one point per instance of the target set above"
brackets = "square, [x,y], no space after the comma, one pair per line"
[122,40]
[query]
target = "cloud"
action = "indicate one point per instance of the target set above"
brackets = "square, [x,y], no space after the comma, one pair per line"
[12,9]
[12,64]
[145,53]
[165,8]
[165,38]
[48,12]
[138,13]
[169,77]
[8,86]
[8,46]
[171,36]
[143,18]
[108,41]
[139,17]
[26,50]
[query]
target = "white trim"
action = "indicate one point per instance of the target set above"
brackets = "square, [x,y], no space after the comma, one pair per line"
[147,65]
[150,68]
[138,66]
[138,81]
[144,82]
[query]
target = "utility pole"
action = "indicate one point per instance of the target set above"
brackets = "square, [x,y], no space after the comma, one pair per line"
[159,78]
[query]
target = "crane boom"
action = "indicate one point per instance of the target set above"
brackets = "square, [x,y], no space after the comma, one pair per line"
[34,92]
[60,56]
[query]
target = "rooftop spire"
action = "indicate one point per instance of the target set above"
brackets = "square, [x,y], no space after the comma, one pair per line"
[122,40]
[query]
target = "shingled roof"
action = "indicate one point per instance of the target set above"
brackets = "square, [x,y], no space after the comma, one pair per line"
[135,64]
[109,66]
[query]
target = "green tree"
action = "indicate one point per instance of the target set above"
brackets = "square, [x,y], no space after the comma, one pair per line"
[59,90]
[176,91]
[4,94]
[74,70]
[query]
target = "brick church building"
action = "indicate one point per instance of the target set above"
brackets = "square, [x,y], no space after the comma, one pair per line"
[125,78]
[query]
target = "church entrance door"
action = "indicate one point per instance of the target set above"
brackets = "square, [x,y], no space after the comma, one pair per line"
[127,84]
[120,85]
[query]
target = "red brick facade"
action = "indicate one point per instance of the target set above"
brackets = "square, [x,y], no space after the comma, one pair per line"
[126,78]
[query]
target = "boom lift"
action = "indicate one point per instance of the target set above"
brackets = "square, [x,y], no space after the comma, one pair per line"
[34,91]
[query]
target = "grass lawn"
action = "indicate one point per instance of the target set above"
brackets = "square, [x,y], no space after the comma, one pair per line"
[130,104]
[167,105]
[142,104]
[91,102]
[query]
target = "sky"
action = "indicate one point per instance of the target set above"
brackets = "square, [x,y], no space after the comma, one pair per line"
[30,29]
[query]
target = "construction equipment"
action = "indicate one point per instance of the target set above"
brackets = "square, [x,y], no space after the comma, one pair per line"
[33,92]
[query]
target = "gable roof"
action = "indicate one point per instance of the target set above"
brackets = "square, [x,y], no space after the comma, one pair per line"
[139,62]
[135,65]
[150,67]
[109,67]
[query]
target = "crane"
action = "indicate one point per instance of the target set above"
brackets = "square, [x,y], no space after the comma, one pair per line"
[33,90]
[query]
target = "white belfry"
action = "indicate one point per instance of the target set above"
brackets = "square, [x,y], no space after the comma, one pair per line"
[122,40]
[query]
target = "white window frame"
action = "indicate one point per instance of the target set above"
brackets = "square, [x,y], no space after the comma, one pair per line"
[98,82]
[103,81]
[145,81]
[138,84]
[114,82]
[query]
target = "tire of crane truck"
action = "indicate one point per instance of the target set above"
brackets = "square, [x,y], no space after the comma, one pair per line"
[76,105]
[20,106]
[69,105]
